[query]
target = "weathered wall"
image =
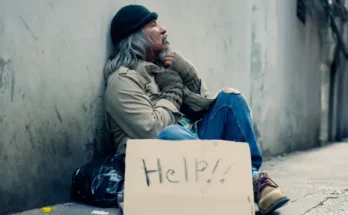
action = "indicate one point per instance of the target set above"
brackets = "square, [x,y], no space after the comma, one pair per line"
[285,78]
[51,88]
[51,84]
[342,115]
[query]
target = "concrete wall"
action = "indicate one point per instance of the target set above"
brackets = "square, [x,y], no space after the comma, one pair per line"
[285,78]
[342,92]
[51,88]
[51,84]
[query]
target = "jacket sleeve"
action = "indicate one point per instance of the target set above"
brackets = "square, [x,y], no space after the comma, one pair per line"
[130,107]
[188,72]
[196,84]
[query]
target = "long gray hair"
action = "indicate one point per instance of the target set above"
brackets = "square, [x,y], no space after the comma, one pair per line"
[127,52]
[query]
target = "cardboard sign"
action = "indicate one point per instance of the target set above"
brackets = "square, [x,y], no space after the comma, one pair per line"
[191,177]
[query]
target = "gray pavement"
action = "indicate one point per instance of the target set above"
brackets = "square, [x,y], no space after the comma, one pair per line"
[316,181]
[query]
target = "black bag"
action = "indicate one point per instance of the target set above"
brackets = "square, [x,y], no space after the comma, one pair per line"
[100,182]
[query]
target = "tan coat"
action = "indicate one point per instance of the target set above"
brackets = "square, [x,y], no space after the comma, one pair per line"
[134,109]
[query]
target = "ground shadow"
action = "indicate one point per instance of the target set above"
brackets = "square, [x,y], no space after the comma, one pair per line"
[274,213]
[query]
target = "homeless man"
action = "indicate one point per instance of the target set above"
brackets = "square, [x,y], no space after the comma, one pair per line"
[154,93]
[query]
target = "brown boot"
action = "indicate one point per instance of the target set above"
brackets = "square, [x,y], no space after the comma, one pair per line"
[267,194]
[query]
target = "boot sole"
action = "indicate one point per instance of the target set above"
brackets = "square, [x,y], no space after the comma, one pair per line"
[274,206]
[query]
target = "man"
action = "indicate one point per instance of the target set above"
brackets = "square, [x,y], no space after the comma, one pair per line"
[154,93]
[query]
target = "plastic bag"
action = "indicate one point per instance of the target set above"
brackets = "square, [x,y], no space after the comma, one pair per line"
[100,182]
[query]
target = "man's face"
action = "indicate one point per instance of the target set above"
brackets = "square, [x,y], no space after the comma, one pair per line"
[157,35]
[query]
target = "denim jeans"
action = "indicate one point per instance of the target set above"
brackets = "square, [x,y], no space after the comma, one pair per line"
[228,118]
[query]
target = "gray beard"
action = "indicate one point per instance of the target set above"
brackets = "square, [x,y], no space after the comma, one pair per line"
[163,54]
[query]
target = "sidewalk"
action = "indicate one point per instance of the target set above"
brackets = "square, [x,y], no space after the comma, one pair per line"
[316,181]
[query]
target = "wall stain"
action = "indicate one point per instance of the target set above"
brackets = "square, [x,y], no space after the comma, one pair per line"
[51,4]
[67,150]
[89,75]
[28,28]
[256,131]
[60,63]
[78,126]
[287,136]
[31,33]
[3,64]
[12,82]
[28,130]
[267,153]
[94,102]
[7,73]
[84,107]
[31,138]
[58,114]
[27,126]
[1,26]
[14,136]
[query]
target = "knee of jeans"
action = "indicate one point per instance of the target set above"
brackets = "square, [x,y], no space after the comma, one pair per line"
[233,97]
[229,95]
[170,131]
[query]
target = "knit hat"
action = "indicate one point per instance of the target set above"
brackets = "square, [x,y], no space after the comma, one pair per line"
[128,20]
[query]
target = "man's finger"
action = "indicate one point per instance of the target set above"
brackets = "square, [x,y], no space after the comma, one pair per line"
[168,58]
[167,63]
[170,55]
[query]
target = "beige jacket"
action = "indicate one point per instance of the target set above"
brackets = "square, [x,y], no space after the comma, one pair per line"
[134,109]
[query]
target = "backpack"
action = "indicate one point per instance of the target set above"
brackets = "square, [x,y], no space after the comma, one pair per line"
[100,182]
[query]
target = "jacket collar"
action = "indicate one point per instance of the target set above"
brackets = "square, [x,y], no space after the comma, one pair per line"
[147,67]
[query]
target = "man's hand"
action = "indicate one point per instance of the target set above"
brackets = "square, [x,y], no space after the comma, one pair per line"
[186,70]
[168,60]
[171,85]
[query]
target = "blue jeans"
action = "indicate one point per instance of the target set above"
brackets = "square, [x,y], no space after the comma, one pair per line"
[228,118]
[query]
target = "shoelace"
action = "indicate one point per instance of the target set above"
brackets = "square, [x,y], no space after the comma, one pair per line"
[263,182]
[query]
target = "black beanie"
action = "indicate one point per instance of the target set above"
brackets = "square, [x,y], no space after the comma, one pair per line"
[128,20]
